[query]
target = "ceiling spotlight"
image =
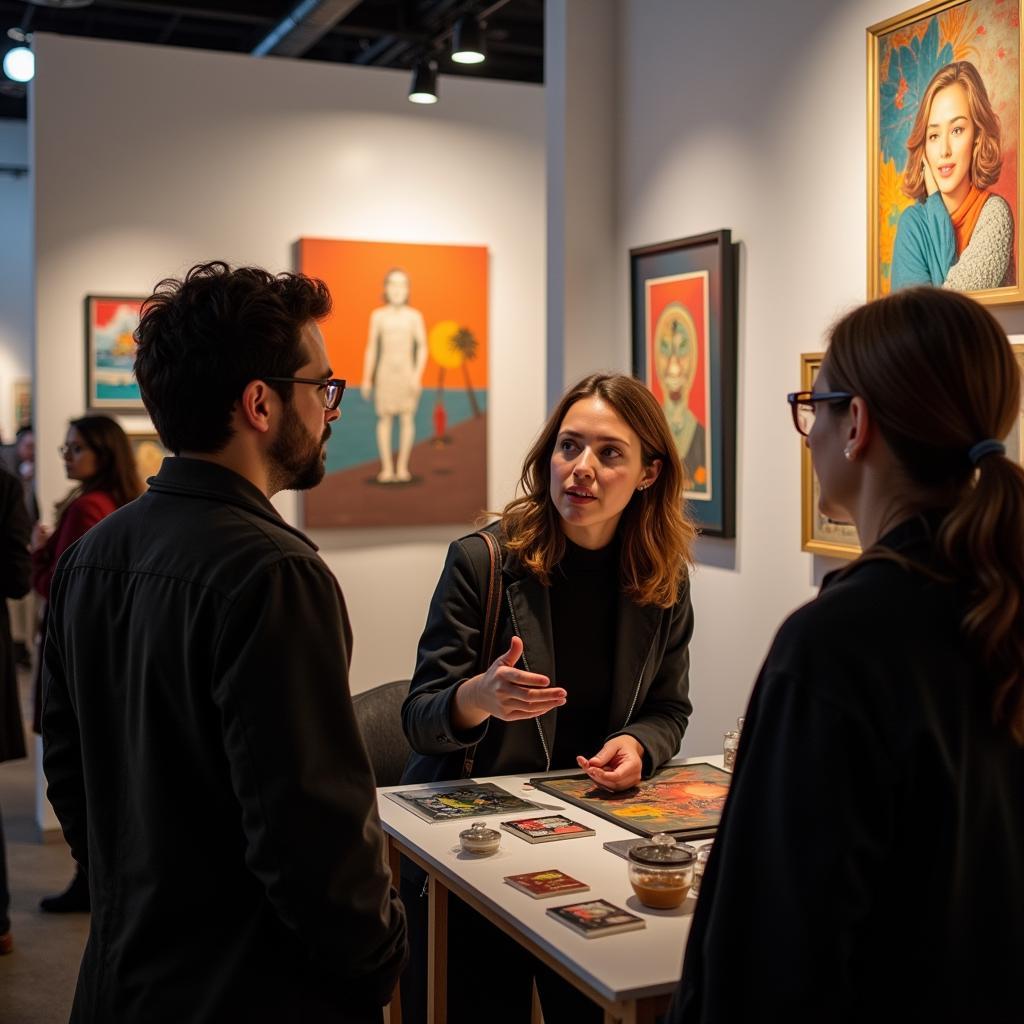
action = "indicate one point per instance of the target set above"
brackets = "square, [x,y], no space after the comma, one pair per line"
[468,41]
[19,64]
[424,82]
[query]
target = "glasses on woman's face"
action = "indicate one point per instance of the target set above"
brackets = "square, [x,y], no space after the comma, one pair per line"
[70,451]
[803,405]
[330,390]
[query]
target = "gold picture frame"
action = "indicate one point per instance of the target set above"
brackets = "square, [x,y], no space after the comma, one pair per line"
[818,534]
[903,54]
[823,536]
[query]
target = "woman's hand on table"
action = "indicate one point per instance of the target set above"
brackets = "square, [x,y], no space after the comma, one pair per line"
[618,765]
[504,692]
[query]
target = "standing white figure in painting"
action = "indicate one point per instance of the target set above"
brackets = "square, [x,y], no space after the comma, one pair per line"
[396,356]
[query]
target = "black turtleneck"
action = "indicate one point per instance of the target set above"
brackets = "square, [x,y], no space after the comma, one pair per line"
[584,614]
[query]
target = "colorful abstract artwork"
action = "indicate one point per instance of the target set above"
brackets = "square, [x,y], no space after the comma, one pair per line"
[944,126]
[682,799]
[409,332]
[459,801]
[684,350]
[110,323]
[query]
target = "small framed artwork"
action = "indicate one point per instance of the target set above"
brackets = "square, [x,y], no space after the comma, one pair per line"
[110,323]
[823,536]
[944,136]
[149,453]
[819,534]
[22,403]
[684,349]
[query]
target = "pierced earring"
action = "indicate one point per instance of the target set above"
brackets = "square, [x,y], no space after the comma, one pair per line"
[848,452]
[643,487]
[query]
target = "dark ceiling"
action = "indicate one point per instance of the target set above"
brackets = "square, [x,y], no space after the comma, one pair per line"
[377,33]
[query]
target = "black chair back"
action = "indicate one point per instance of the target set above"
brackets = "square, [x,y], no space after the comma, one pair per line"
[379,714]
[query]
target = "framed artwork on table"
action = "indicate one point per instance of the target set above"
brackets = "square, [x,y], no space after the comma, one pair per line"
[149,453]
[685,800]
[410,333]
[944,132]
[823,536]
[684,349]
[110,323]
[819,534]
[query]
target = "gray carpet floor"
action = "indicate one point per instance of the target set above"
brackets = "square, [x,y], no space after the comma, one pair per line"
[37,981]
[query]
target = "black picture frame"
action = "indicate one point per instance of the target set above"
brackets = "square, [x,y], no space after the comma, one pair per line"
[683,296]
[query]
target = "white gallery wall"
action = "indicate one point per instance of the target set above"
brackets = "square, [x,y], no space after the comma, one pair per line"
[750,117]
[149,159]
[15,268]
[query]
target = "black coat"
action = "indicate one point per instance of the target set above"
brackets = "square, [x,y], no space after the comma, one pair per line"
[206,766]
[870,861]
[15,576]
[650,697]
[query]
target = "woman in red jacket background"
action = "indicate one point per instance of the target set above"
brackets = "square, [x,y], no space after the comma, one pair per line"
[98,456]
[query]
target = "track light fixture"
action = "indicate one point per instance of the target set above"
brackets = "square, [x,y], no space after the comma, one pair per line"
[424,82]
[468,41]
[19,64]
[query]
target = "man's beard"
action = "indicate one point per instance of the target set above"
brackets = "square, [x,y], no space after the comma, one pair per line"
[296,457]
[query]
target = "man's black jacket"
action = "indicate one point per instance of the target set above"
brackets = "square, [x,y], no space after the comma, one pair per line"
[206,766]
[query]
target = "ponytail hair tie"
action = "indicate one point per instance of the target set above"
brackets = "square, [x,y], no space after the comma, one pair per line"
[990,446]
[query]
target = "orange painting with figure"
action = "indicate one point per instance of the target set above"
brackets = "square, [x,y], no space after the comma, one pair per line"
[409,333]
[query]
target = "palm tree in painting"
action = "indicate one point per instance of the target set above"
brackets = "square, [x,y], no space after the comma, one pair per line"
[465,343]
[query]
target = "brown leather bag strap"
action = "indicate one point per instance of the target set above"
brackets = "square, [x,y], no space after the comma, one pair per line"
[492,604]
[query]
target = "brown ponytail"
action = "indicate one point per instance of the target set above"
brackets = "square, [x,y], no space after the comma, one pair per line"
[938,375]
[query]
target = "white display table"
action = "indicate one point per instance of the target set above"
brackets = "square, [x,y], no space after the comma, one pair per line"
[632,975]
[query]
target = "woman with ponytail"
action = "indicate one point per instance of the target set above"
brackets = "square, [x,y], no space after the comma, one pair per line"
[870,862]
[589,662]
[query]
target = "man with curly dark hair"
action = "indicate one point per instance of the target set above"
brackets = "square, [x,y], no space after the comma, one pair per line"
[200,743]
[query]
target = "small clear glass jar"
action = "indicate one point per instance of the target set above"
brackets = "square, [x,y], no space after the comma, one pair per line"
[730,742]
[661,872]
[480,840]
[699,867]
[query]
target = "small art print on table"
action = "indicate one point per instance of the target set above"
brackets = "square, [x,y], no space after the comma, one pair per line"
[685,799]
[546,829]
[684,350]
[462,800]
[110,323]
[542,884]
[596,918]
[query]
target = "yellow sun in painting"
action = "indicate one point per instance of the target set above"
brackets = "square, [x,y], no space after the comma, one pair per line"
[441,342]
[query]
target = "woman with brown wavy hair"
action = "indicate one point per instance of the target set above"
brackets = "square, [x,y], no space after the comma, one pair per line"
[870,860]
[97,455]
[958,234]
[592,635]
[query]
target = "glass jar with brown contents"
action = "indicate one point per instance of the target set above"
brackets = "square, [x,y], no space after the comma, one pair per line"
[661,872]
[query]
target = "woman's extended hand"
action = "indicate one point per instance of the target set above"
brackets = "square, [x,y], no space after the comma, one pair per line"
[929,179]
[617,765]
[40,535]
[504,692]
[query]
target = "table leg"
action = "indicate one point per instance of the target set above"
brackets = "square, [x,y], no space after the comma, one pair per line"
[393,1011]
[437,959]
[641,1011]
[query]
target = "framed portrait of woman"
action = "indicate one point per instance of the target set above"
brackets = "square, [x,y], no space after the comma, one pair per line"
[944,130]
[823,536]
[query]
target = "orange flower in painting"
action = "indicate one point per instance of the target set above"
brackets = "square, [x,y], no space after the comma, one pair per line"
[957,27]
[701,476]
[1001,53]
[891,203]
[901,93]
[981,30]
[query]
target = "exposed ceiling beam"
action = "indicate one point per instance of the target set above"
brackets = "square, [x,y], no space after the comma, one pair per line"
[305,26]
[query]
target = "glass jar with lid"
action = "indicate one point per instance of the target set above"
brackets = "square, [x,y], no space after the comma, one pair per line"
[479,839]
[661,871]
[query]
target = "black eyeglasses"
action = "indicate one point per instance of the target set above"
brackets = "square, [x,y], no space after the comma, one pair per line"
[802,403]
[332,389]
